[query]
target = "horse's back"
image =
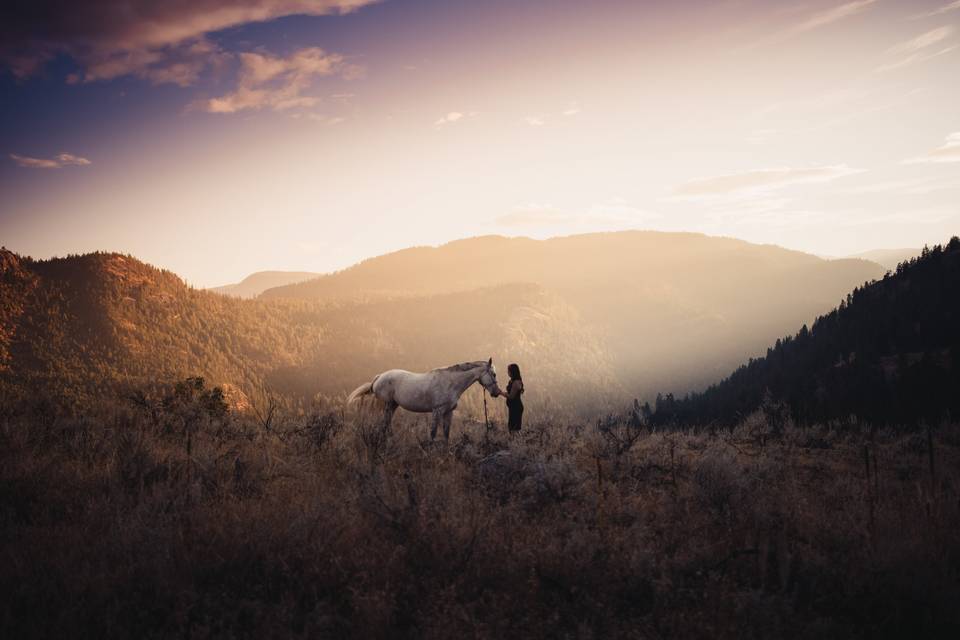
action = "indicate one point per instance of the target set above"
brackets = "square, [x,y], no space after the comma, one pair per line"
[394,375]
[390,381]
[408,389]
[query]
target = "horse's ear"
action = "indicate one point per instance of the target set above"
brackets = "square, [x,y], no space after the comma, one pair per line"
[490,362]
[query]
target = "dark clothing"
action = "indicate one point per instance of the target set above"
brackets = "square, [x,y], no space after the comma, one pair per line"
[515,419]
[514,407]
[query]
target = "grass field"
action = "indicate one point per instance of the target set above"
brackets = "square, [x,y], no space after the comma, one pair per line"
[170,518]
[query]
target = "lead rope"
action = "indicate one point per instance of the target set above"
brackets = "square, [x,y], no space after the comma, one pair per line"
[486,420]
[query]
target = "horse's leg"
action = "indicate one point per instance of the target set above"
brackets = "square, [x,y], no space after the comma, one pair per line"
[437,416]
[447,417]
[388,412]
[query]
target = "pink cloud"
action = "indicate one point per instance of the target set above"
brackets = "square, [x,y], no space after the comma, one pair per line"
[163,42]
[58,161]
[278,83]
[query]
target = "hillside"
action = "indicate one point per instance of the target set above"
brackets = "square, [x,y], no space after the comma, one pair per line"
[563,363]
[674,309]
[888,258]
[83,326]
[888,354]
[256,283]
[591,319]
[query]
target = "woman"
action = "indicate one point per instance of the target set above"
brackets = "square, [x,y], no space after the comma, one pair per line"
[514,403]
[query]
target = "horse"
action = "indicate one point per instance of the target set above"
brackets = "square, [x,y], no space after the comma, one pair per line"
[437,391]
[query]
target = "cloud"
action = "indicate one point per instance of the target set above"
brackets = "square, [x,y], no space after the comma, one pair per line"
[760,181]
[330,121]
[764,207]
[916,57]
[910,187]
[278,83]
[949,152]
[453,116]
[911,217]
[540,120]
[58,161]
[953,6]
[180,65]
[924,40]
[834,14]
[916,49]
[163,42]
[815,20]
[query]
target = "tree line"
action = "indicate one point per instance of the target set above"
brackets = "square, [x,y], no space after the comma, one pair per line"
[888,355]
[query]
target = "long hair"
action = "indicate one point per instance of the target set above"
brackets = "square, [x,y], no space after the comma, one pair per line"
[514,372]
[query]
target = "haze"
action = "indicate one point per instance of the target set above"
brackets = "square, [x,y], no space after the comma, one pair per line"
[217,139]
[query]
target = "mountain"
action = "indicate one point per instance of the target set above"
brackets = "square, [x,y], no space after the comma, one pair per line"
[887,258]
[674,309]
[889,354]
[591,319]
[256,283]
[564,364]
[82,326]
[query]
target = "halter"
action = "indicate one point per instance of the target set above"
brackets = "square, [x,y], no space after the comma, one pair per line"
[483,390]
[493,377]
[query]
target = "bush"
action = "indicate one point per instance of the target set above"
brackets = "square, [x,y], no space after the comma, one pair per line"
[112,526]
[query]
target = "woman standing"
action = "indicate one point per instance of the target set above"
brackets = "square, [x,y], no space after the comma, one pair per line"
[514,403]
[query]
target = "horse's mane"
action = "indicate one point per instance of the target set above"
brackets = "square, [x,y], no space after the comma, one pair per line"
[463,366]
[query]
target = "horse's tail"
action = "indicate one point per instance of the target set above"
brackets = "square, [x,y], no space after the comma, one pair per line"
[365,389]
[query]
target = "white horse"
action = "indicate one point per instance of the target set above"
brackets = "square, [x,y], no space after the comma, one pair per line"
[437,391]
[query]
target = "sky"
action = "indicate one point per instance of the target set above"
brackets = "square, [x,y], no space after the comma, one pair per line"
[216,139]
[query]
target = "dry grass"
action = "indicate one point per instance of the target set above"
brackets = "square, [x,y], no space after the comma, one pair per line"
[149,521]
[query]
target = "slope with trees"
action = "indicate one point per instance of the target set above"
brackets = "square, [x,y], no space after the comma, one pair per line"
[888,355]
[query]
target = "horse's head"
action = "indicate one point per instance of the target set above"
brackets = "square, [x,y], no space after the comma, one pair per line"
[488,378]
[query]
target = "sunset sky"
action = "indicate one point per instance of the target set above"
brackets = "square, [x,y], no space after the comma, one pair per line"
[220,138]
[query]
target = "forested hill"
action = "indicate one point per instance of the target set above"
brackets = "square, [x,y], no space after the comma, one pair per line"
[889,354]
[85,327]
[82,325]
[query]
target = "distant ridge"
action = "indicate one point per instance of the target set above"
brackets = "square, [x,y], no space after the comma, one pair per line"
[256,283]
[888,258]
[673,308]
